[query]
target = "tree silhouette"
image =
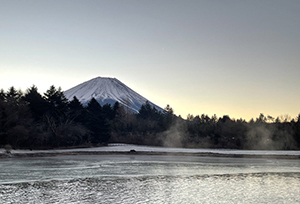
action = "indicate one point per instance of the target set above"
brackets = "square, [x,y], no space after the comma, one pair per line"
[99,127]
[36,102]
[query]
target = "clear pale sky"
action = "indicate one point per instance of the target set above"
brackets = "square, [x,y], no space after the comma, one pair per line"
[224,57]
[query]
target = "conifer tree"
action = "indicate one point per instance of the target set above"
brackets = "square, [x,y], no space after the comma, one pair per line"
[56,100]
[77,111]
[15,119]
[107,112]
[100,130]
[36,102]
[2,95]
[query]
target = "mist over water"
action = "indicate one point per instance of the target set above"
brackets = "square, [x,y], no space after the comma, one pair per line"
[261,137]
[149,179]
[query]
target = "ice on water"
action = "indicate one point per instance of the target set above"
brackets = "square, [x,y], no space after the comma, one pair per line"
[148,179]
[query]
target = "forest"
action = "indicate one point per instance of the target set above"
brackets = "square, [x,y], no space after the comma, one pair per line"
[33,121]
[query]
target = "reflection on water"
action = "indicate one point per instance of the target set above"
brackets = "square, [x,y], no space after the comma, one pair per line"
[148,179]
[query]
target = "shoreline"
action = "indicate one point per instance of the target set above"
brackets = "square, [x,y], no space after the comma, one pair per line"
[134,152]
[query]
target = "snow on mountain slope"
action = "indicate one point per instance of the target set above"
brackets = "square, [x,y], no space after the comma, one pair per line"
[108,90]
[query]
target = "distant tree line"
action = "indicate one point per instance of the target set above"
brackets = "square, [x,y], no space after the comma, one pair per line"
[34,121]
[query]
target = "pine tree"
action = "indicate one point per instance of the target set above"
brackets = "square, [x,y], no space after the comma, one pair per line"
[96,123]
[15,119]
[108,112]
[36,102]
[77,111]
[56,100]
[2,96]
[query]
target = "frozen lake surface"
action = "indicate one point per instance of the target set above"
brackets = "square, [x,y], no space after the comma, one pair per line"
[149,179]
[141,148]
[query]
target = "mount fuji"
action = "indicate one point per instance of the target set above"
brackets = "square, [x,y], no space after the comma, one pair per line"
[108,90]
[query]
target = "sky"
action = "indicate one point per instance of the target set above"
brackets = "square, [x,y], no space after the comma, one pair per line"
[223,57]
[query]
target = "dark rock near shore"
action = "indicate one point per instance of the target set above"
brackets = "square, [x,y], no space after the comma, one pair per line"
[132,151]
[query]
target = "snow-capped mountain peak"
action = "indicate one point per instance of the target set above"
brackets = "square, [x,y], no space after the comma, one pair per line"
[107,90]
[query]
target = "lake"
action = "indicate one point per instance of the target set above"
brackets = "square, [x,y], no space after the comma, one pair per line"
[149,179]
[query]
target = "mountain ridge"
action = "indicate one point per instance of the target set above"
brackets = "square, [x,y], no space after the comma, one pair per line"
[108,90]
